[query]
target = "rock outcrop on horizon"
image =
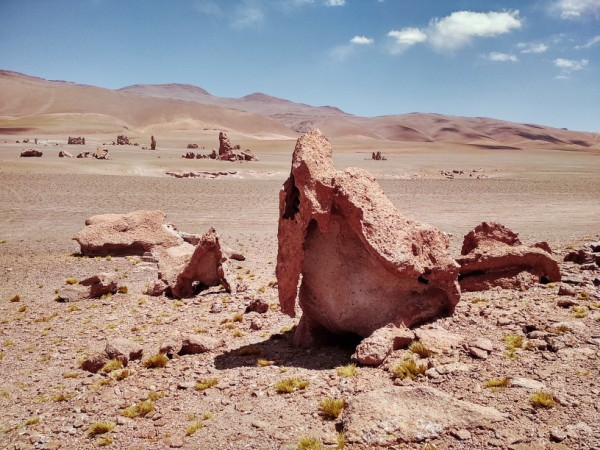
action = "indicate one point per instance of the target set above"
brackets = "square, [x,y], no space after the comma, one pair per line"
[126,234]
[65,154]
[152,143]
[31,152]
[122,140]
[363,264]
[493,256]
[76,140]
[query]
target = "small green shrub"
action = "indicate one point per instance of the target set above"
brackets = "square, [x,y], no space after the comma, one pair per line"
[113,364]
[408,368]
[71,281]
[205,383]
[541,399]
[420,349]
[193,427]
[310,443]
[122,290]
[497,383]
[289,385]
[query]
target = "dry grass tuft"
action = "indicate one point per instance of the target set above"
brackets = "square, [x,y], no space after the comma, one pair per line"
[71,281]
[205,383]
[542,399]
[310,443]
[497,383]
[408,368]
[156,361]
[193,427]
[331,408]
[100,428]
[122,290]
[289,385]
[113,364]
[347,371]
[420,349]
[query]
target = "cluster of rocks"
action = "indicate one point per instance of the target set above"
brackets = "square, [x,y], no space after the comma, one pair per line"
[201,174]
[122,140]
[76,140]
[187,263]
[338,225]
[451,174]
[100,153]
[226,152]
[95,286]
[31,152]
[377,156]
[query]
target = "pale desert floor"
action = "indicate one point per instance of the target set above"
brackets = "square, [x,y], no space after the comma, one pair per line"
[543,194]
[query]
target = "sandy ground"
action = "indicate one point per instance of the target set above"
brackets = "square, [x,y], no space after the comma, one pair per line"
[543,194]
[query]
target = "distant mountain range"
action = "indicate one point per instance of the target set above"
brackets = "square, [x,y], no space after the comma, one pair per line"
[31,103]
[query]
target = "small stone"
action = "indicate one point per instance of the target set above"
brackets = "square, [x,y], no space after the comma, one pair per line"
[257,305]
[565,289]
[566,302]
[462,435]
[504,321]
[483,344]
[260,424]
[175,442]
[557,435]
[527,383]
[256,324]
[216,308]
[478,353]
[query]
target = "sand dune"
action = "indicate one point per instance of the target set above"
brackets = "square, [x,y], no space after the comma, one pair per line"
[30,103]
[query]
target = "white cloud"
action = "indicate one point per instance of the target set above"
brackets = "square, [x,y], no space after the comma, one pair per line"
[569,65]
[459,28]
[593,41]
[361,40]
[335,2]
[576,9]
[502,57]
[532,48]
[405,38]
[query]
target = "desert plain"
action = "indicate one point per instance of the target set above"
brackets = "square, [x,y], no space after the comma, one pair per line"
[545,191]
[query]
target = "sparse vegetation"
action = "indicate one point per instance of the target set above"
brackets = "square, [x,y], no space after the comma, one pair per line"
[205,383]
[104,441]
[122,290]
[71,281]
[98,428]
[260,362]
[32,421]
[289,385]
[512,342]
[239,317]
[113,364]
[22,308]
[497,383]
[193,427]
[542,399]
[139,410]
[156,361]
[408,368]
[310,443]
[62,397]
[122,374]
[347,371]
[579,312]
[237,333]
[331,408]
[420,349]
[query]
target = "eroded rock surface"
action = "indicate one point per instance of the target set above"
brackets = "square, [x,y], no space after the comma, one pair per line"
[126,234]
[31,152]
[493,256]
[187,269]
[389,416]
[363,264]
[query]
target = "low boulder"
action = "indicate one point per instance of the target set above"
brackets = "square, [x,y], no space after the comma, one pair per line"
[31,152]
[95,286]
[187,269]
[122,140]
[126,234]
[102,153]
[361,265]
[64,154]
[374,350]
[493,256]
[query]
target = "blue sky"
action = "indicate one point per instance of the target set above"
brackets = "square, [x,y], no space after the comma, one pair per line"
[526,61]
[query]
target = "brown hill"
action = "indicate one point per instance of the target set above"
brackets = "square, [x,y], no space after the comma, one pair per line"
[28,102]
[57,106]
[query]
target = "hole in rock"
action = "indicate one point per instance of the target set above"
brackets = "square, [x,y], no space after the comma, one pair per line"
[474,273]
[292,199]
[423,280]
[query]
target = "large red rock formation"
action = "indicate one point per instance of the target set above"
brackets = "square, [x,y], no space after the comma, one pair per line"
[363,264]
[493,256]
[126,234]
[31,152]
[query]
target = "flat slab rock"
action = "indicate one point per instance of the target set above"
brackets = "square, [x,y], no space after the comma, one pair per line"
[410,414]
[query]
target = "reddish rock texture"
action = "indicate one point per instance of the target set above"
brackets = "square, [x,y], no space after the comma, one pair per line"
[122,140]
[64,154]
[363,264]
[187,269]
[152,143]
[126,234]
[493,256]
[76,140]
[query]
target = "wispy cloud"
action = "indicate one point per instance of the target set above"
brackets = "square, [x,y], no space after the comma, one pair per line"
[461,27]
[406,38]
[501,57]
[570,65]
[335,2]
[576,9]
[247,15]
[342,52]
[532,47]
[209,8]
[590,43]
[361,40]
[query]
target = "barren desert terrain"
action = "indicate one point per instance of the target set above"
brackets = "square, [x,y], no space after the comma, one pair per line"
[228,397]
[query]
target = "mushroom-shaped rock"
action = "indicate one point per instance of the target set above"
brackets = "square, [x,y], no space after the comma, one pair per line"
[493,256]
[363,264]
[126,234]
[187,269]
